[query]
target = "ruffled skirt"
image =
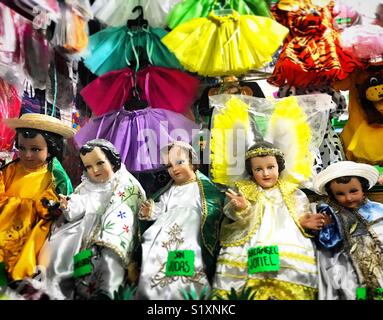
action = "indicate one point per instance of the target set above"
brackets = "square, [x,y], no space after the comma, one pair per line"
[139,135]
[191,9]
[118,47]
[225,45]
[110,91]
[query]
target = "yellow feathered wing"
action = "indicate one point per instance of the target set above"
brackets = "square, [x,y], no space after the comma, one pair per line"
[290,132]
[230,128]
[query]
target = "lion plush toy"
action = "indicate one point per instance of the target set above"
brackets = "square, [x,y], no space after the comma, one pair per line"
[362,135]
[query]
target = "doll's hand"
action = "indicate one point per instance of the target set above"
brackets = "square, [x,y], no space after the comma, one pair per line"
[63,202]
[314,221]
[238,201]
[145,210]
[327,220]
[380,180]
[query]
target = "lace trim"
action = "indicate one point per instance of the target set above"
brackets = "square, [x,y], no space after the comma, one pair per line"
[254,193]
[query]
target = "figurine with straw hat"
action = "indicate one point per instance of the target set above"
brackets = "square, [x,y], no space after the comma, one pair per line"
[35,178]
[350,252]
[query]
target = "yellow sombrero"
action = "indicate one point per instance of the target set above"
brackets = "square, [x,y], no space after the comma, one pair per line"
[41,122]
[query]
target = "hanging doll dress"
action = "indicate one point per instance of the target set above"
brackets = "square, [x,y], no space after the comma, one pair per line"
[225,45]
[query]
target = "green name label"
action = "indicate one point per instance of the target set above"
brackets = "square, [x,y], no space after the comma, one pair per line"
[82,263]
[263,259]
[180,263]
[3,274]
[375,294]
[361,293]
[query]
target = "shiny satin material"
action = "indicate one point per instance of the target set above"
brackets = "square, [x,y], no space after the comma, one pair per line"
[177,223]
[329,237]
[105,263]
[61,178]
[24,222]
[100,215]
[297,254]
[343,269]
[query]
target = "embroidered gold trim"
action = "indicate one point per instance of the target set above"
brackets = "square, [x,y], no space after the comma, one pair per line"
[251,192]
[232,263]
[204,214]
[265,289]
[186,182]
[298,256]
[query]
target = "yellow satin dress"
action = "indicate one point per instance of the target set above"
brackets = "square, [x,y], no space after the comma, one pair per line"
[24,222]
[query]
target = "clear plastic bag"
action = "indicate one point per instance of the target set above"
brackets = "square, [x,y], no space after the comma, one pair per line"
[71,32]
[258,125]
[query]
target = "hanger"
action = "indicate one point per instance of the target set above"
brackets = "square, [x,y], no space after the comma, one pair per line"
[135,102]
[139,22]
[142,61]
[256,75]
[231,85]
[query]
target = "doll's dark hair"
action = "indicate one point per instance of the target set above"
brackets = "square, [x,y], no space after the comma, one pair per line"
[107,147]
[55,142]
[346,179]
[270,150]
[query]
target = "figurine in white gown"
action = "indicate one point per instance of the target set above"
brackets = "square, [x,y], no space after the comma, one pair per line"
[186,219]
[99,221]
[264,246]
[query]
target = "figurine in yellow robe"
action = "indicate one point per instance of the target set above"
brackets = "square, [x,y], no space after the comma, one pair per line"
[35,176]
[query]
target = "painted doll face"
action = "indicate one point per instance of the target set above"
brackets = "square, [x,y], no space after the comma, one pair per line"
[179,167]
[97,165]
[349,195]
[33,152]
[265,171]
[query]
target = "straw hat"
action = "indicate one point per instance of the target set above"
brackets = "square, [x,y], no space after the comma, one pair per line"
[342,169]
[41,122]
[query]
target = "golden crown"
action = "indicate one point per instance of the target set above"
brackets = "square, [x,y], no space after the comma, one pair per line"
[262,151]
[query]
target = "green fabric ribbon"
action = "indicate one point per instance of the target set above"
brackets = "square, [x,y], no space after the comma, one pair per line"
[61,179]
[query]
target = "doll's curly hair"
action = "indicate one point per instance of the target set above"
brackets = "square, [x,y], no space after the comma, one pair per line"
[107,147]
